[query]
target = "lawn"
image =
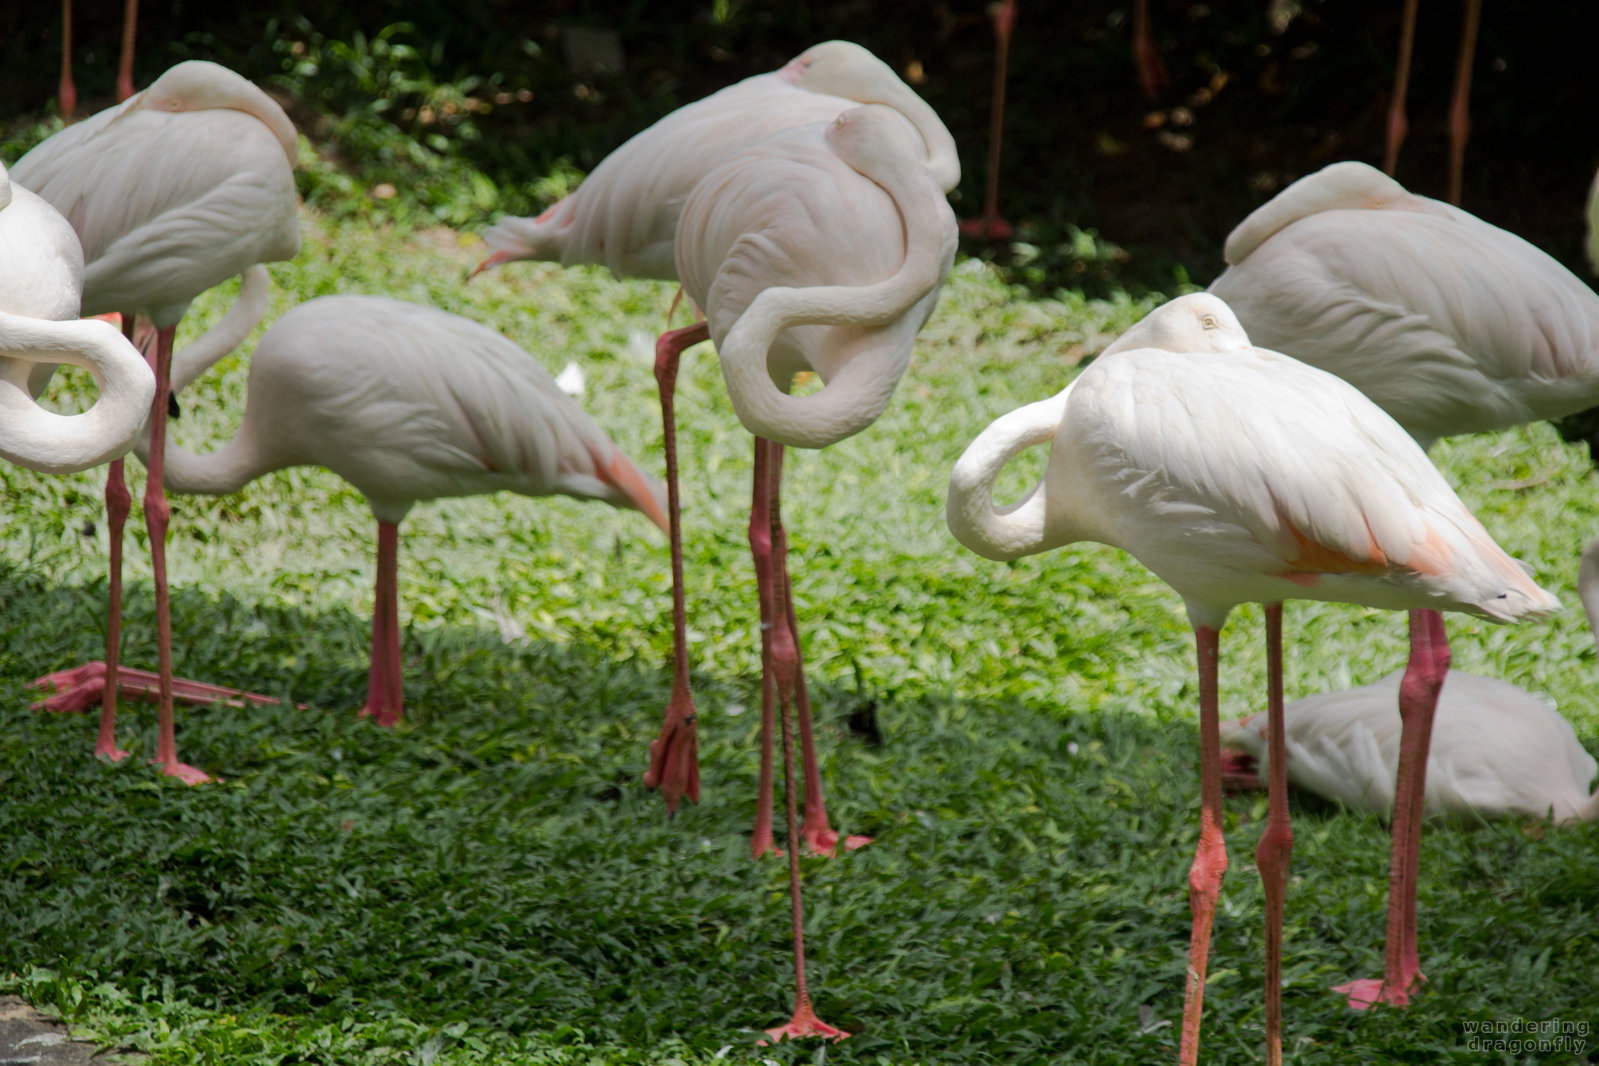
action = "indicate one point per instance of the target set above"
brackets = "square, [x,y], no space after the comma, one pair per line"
[491,883]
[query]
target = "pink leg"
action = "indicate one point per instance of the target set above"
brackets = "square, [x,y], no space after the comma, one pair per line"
[991,226]
[761,549]
[820,837]
[1418,702]
[157,517]
[1277,839]
[1152,76]
[385,698]
[781,658]
[1210,858]
[130,26]
[1459,112]
[1398,126]
[674,754]
[66,91]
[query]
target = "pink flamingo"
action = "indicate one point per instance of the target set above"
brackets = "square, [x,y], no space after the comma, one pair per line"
[407,403]
[625,216]
[1447,323]
[41,279]
[822,248]
[1239,475]
[176,189]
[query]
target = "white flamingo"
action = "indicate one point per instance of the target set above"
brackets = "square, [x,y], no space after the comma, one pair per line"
[823,248]
[1239,475]
[407,403]
[1451,326]
[176,189]
[41,277]
[625,216]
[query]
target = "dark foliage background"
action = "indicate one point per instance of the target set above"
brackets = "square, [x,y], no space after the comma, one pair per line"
[1260,93]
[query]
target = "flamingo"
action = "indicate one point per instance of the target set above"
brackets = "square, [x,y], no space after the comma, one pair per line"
[822,248]
[1451,326]
[176,189]
[1240,475]
[1497,752]
[67,92]
[625,216]
[407,403]
[41,278]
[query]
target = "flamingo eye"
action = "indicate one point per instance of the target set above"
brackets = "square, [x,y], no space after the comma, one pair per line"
[1209,322]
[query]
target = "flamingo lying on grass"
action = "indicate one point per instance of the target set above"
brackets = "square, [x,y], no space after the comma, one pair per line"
[1451,326]
[177,189]
[625,216]
[1239,475]
[408,403]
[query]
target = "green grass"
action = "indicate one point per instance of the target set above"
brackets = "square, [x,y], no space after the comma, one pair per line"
[491,883]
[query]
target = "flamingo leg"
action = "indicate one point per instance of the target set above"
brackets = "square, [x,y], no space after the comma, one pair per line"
[130,26]
[780,657]
[157,517]
[385,698]
[66,91]
[991,226]
[1459,112]
[1418,703]
[1210,857]
[1398,126]
[1152,76]
[761,549]
[674,753]
[820,837]
[1277,839]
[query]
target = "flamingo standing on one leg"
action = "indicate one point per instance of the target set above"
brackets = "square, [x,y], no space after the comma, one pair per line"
[625,217]
[821,248]
[41,279]
[407,403]
[1239,475]
[1451,326]
[180,187]
[991,226]
[67,92]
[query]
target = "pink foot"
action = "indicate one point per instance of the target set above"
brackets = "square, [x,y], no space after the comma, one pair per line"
[1367,992]
[185,773]
[805,1023]
[113,755]
[826,842]
[675,760]
[82,687]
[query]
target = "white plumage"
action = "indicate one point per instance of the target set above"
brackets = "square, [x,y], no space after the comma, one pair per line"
[41,273]
[1449,324]
[624,215]
[1497,751]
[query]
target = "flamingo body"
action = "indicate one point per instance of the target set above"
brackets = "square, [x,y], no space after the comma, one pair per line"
[1497,751]
[177,189]
[409,403]
[1449,324]
[624,215]
[41,275]
[1203,462]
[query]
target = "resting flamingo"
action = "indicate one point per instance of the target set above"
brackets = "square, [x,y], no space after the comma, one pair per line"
[822,248]
[625,216]
[1239,475]
[180,187]
[1451,326]
[41,278]
[407,403]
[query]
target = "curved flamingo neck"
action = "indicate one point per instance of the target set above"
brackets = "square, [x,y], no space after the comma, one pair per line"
[1017,529]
